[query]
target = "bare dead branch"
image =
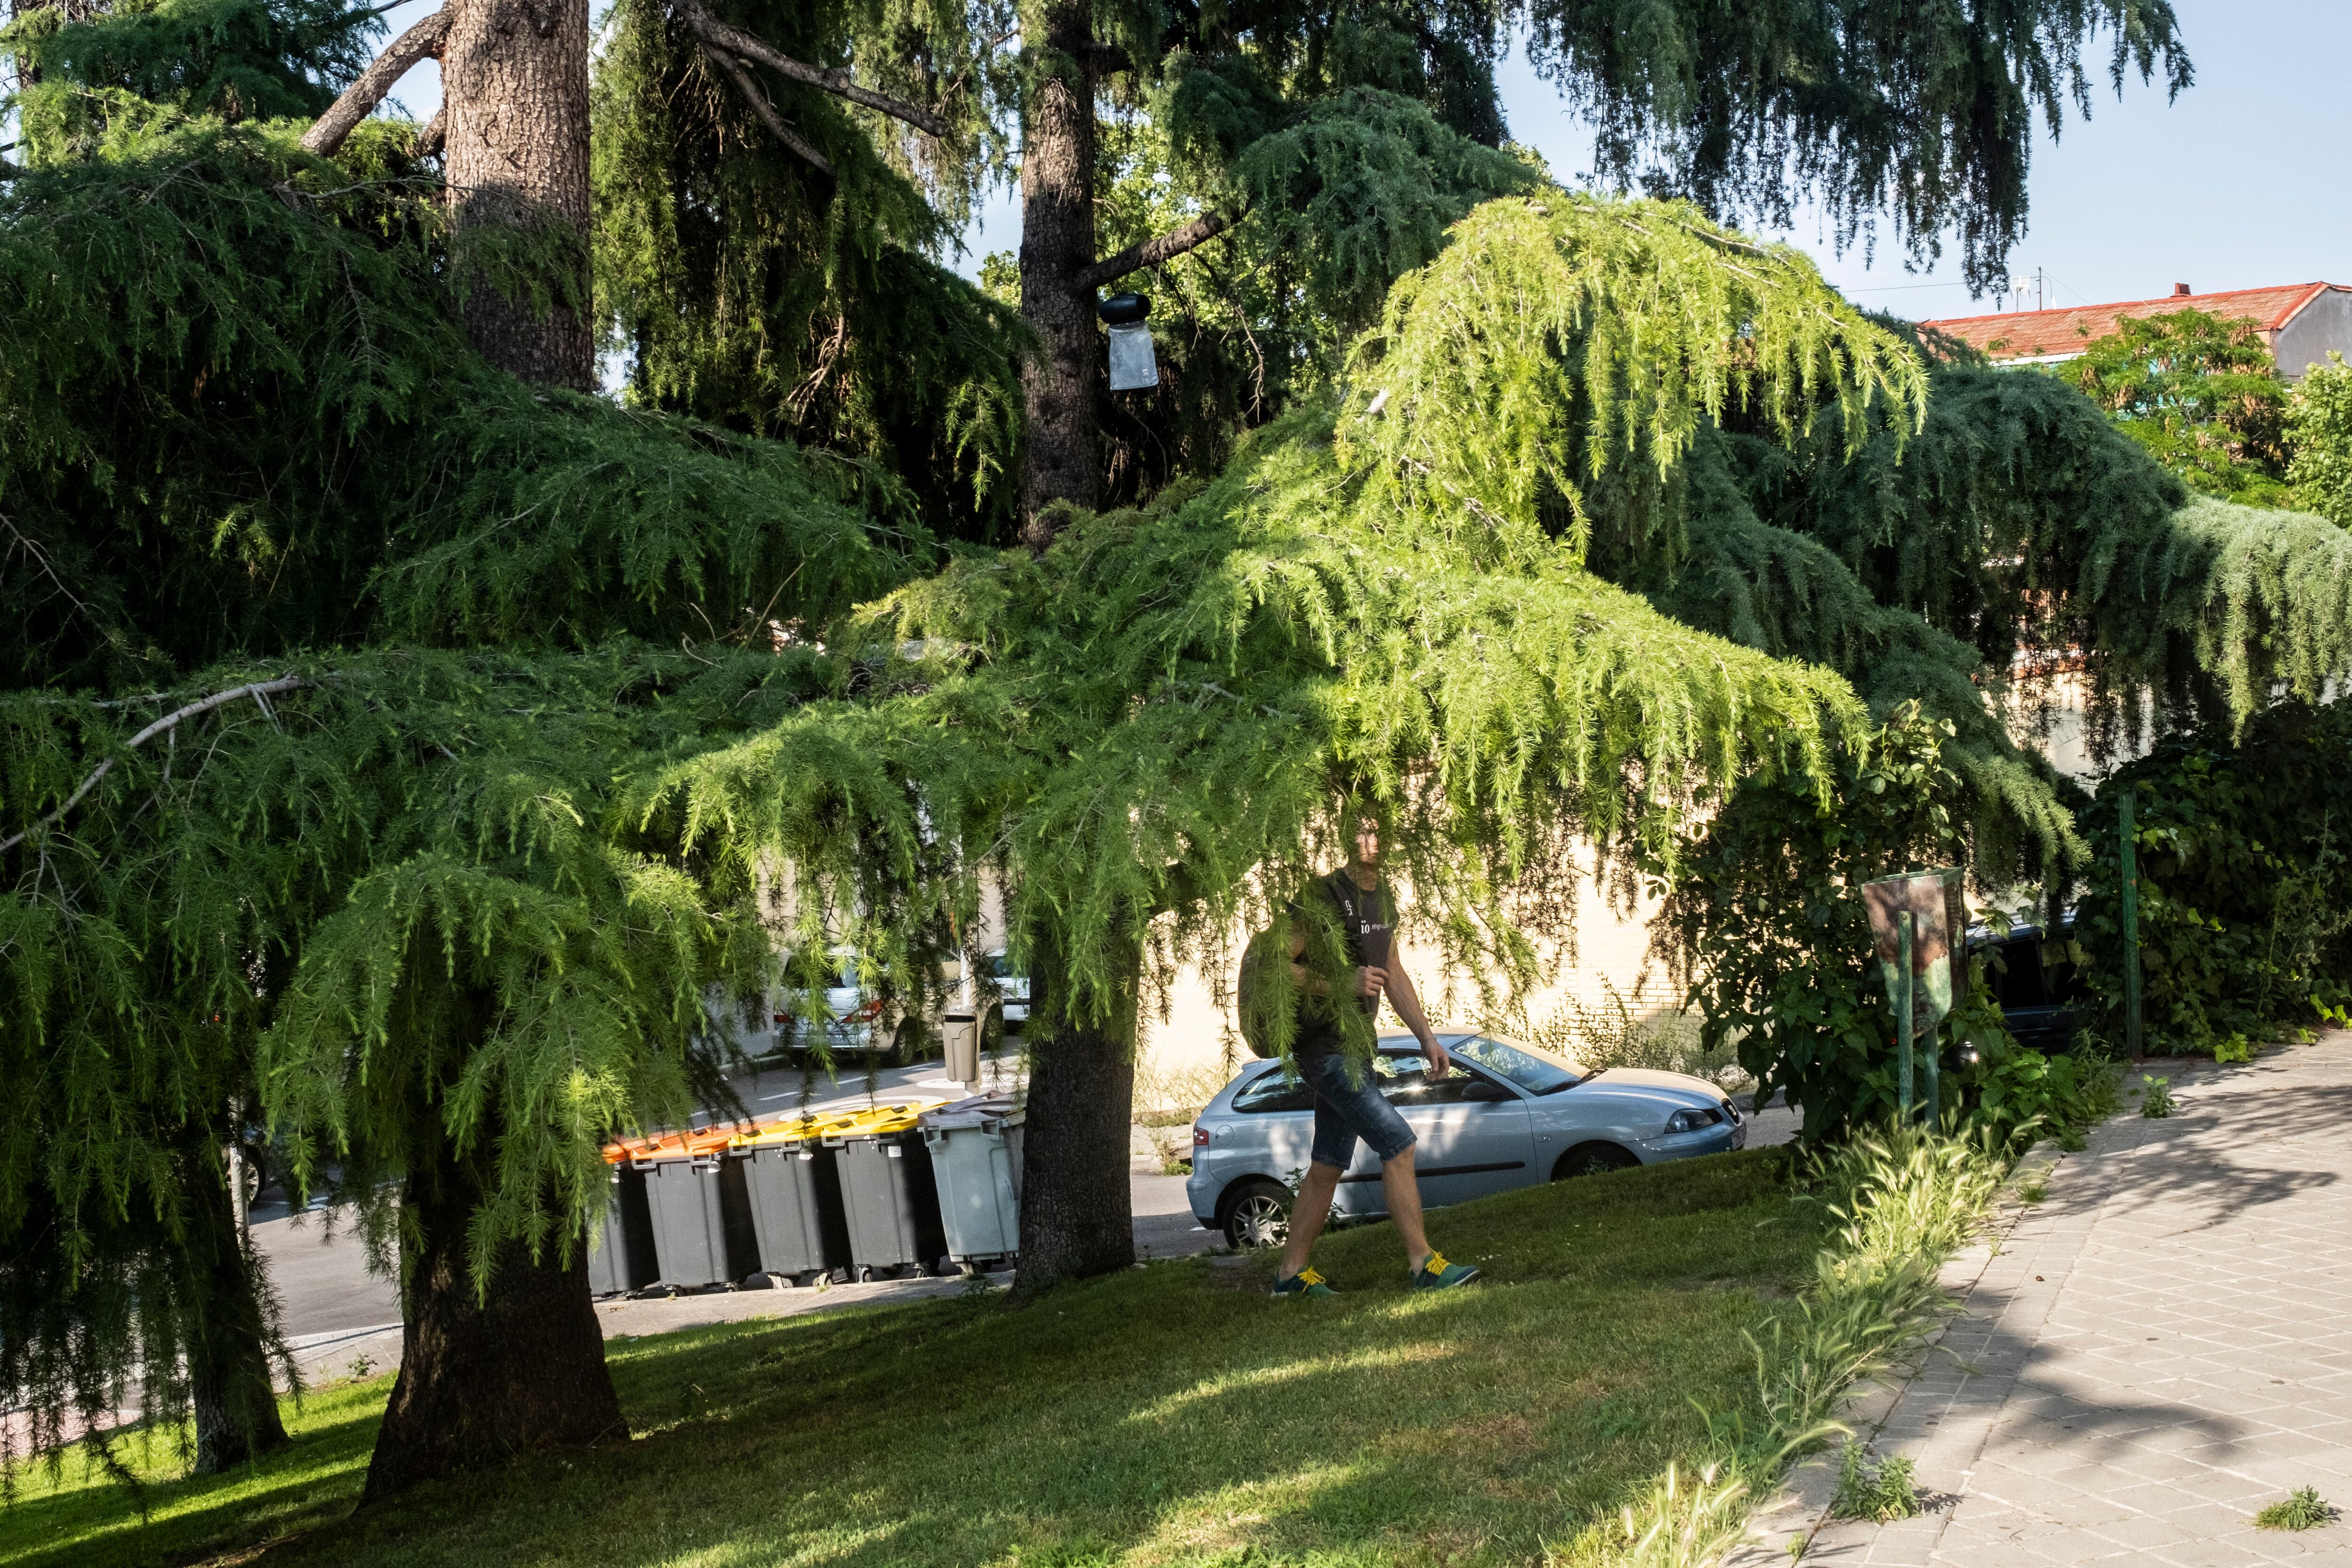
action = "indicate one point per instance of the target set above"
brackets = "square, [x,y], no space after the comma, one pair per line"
[735,41]
[1159,248]
[360,98]
[258,690]
[749,89]
[435,134]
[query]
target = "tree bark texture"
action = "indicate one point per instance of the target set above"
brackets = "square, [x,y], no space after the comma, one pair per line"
[1057,243]
[485,1380]
[514,78]
[1077,1214]
[228,1357]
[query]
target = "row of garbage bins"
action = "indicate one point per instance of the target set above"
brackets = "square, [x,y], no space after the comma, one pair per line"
[903,1189]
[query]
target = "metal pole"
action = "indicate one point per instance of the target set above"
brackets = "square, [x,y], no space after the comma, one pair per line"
[2130,877]
[1903,1012]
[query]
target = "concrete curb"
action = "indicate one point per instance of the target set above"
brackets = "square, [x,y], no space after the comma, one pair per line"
[1799,1509]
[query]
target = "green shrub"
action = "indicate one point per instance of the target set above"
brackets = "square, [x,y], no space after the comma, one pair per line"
[2245,887]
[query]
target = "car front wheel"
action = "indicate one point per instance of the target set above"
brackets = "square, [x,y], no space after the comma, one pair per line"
[1593,1160]
[1258,1215]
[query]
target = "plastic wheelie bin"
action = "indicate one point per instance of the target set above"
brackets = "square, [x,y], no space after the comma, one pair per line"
[700,1211]
[888,1195]
[975,1148]
[624,1259]
[794,1186]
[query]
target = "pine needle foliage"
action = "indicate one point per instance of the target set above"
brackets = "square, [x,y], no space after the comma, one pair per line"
[1923,112]
[754,290]
[155,62]
[1146,732]
[1564,338]
[240,417]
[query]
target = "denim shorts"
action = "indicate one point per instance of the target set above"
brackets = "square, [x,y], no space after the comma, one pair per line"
[1349,1105]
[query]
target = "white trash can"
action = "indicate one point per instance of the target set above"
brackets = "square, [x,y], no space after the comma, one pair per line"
[975,1148]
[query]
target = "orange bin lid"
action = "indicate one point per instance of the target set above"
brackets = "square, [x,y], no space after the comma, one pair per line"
[669,1146]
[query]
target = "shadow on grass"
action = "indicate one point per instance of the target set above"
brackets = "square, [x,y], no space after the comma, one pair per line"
[84,1519]
[1151,1417]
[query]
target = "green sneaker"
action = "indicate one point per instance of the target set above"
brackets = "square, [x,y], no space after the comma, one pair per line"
[1436,1274]
[1306,1282]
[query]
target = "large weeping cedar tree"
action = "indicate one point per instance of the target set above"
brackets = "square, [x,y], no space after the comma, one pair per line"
[249,447]
[547,522]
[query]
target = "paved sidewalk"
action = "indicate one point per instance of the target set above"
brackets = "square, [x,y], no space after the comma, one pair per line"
[2162,1346]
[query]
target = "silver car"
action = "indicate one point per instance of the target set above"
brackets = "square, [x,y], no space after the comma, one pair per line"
[1509,1115]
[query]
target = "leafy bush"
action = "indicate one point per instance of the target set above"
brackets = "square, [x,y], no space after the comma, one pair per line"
[2319,429]
[2245,890]
[1766,921]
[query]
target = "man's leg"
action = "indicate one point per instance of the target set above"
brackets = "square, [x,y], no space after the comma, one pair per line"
[1404,1208]
[1308,1213]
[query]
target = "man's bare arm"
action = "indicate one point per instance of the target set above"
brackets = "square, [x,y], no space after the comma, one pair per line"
[1407,1003]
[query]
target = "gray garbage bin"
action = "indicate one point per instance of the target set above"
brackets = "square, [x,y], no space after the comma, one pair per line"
[975,1147]
[625,1259]
[793,1185]
[700,1212]
[887,1197]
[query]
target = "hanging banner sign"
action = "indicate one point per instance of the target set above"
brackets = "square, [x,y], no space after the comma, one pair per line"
[1922,894]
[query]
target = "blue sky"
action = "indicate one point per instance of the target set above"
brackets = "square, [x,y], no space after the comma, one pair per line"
[2237,184]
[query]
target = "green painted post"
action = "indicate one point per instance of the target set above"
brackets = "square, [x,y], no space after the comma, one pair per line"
[1931,1069]
[2130,877]
[1903,1012]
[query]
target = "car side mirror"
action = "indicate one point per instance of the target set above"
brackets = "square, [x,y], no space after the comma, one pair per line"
[1479,1089]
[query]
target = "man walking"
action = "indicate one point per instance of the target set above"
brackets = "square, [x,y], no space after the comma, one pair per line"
[1348,1104]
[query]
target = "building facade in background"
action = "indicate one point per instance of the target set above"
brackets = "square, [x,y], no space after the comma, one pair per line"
[2301,323]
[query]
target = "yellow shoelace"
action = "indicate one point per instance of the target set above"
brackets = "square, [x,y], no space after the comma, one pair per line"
[1309,1276]
[1436,1264]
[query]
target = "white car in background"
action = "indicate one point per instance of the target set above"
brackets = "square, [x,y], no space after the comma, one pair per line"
[1509,1115]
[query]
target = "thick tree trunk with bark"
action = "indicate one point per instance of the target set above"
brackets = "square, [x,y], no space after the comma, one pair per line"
[228,1356]
[486,1379]
[514,75]
[1057,244]
[1078,1215]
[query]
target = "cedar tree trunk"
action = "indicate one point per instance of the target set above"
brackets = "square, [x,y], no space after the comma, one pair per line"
[229,1360]
[486,1378]
[514,75]
[1057,240]
[1078,1215]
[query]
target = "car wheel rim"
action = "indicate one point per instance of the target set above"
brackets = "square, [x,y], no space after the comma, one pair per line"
[1261,1221]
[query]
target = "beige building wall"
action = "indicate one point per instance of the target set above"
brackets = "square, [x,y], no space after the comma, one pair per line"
[1195,1040]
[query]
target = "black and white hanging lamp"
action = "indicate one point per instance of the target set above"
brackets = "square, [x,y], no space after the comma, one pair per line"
[1132,364]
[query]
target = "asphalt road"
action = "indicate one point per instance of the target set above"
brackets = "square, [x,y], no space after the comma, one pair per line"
[327,1294]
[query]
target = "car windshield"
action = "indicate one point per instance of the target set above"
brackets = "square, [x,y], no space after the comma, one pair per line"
[1537,1072]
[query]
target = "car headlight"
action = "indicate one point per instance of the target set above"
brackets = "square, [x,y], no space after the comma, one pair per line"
[1691,1121]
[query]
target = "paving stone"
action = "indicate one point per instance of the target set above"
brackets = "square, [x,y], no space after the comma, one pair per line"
[2160,1348]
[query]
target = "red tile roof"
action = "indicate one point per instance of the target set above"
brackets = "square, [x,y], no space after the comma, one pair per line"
[2019,334]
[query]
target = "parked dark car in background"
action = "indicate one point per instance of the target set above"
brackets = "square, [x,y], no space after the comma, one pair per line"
[2036,975]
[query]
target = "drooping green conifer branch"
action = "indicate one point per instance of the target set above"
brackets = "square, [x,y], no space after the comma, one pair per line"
[1922,113]
[1562,340]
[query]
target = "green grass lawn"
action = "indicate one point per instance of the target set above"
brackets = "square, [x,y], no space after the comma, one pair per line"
[1170,1414]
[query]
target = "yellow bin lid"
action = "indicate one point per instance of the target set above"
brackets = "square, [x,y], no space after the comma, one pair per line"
[881,1120]
[791,1130]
